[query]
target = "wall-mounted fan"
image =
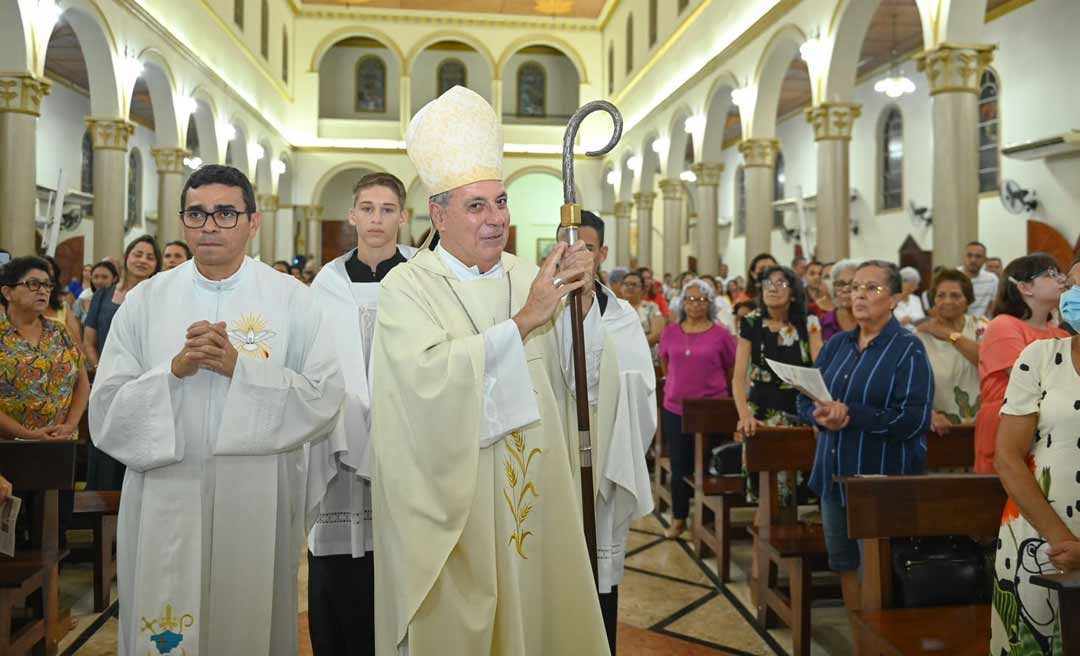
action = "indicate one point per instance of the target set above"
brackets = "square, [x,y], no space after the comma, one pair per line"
[1016,199]
[920,216]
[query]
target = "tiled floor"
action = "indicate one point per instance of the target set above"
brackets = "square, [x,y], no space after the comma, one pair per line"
[669,605]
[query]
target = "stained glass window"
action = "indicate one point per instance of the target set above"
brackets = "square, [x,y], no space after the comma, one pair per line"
[989,132]
[740,201]
[629,44]
[86,177]
[532,90]
[778,189]
[134,178]
[371,85]
[264,31]
[451,73]
[892,160]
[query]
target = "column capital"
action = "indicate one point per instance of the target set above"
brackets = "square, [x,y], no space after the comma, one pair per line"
[671,188]
[833,121]
[644,200]
[310,212]
[22,93]
[955,68]
[708,173]
[759,152]
[623,210]
[110,133]
[267,203]
[169,159]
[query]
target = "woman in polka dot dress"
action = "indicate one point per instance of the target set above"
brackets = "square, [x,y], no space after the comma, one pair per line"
[1041,523]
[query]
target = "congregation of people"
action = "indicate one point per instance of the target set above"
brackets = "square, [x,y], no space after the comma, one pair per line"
[349,372]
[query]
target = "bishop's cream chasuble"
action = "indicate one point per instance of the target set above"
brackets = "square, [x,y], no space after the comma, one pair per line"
[479,542]
[211,522]
[339,482]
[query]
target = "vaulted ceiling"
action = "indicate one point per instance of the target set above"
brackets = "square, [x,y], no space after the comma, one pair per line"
[556,8]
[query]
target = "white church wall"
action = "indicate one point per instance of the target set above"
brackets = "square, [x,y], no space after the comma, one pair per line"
[561,91]
[338,86]
[534,201]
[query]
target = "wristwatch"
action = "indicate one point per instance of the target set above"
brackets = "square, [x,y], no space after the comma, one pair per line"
[954,337]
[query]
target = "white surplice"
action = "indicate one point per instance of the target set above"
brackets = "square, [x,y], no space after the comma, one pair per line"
[211,522]
[339,482]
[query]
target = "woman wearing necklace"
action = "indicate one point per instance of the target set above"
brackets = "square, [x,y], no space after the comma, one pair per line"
[697,356]
[952,342]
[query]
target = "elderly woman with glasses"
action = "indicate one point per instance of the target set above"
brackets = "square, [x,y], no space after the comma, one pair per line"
[697,355]
[837,278]
[1030,290]
[882,388]
[43,385]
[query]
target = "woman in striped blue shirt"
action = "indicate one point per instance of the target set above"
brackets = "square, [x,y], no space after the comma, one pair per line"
[882,389]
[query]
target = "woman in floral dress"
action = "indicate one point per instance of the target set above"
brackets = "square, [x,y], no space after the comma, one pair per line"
[1041,523]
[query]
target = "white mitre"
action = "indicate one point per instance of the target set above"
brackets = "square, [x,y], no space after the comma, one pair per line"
[455,140]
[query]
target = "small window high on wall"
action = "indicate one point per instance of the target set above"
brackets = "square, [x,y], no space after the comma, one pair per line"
[134,187]
[629,44]
[238,13]
[989,133]
[611,70]
[652,23]
[740,201]
[451,73]
[683,5]
[370,85]
[778,189]
[86,172]
[532,90]
[264,31]
[892,160]
[284,55]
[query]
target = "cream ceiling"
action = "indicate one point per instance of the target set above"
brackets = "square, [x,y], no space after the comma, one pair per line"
[560,8]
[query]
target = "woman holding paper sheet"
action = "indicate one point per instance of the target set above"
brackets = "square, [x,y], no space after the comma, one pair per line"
[880,379]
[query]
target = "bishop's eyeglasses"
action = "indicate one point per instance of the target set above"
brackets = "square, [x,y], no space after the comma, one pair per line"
[223,218]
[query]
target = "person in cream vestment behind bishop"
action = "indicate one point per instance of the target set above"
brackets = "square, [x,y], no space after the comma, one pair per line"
[479,547]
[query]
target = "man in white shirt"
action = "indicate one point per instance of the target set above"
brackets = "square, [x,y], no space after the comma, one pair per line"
[984,282]
[341,580]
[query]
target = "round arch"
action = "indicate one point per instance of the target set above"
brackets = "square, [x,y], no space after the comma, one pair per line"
[325,178]
[650,162]
[239,147]
[98,47]
[717,108]
[283,184]
[206,123]
[16,35]
[677,137]
[543,40]
[607,192]
[263,181]
[848,28]
[769,78]
[450,35]
[346,32]
[161,82]
[538,168]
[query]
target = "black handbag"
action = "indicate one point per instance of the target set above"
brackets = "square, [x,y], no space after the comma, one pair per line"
[727,460]
[939,571]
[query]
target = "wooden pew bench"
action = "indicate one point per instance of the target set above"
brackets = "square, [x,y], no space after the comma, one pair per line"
[784,544]
[714,496]
[884,507]
[101,508]
[661,460]
[1068,588]
[31,579]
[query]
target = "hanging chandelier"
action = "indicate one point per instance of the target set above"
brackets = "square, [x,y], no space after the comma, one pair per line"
[896,84]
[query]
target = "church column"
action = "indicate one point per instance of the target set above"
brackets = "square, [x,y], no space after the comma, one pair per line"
[313,221]
[832,124]
[708,244]
[622,233]
[110,137]
[171,177]
[954,73]
[285,233]
[405,106]
[268,207]
[759,160]
[671,189]
[644,200]
[497,97]
[20,107]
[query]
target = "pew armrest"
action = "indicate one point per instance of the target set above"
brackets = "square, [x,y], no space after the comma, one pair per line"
[1064,583]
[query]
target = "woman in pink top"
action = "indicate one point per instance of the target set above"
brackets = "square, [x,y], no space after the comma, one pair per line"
[697,355]
[1031,289]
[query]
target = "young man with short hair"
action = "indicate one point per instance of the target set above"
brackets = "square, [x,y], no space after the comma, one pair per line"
[341,581]
[984,282]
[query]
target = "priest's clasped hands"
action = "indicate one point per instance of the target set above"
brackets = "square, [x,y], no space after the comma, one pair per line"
[207,346]
[565,270]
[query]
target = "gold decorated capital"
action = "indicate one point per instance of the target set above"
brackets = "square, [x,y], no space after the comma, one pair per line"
[268,203]
[644,200]
[833,121]
[759,153]
[110,133]
[22,93]
[708,173]
[312,212]
[952,68]
[671,188]
[623,210]
[170,160]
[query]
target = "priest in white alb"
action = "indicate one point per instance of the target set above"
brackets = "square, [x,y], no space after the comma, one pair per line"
[214,376]
[479,546]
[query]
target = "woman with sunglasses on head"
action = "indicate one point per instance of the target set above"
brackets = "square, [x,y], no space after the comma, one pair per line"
[1031,288]
[43,385]
[142,259]
[697,355]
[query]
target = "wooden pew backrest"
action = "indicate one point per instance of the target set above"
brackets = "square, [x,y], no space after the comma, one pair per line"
[780,449]
[37,466]
[936,504]
[954,449]
[709,416]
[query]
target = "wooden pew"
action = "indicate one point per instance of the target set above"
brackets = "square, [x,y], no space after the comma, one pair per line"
[955,449]
[102,508]
[1068,588]
[661,460]
[884,507]
[783,542]
[715,494]
[36,470]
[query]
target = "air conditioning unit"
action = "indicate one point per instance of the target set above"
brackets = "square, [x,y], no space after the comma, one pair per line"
[1062,144]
